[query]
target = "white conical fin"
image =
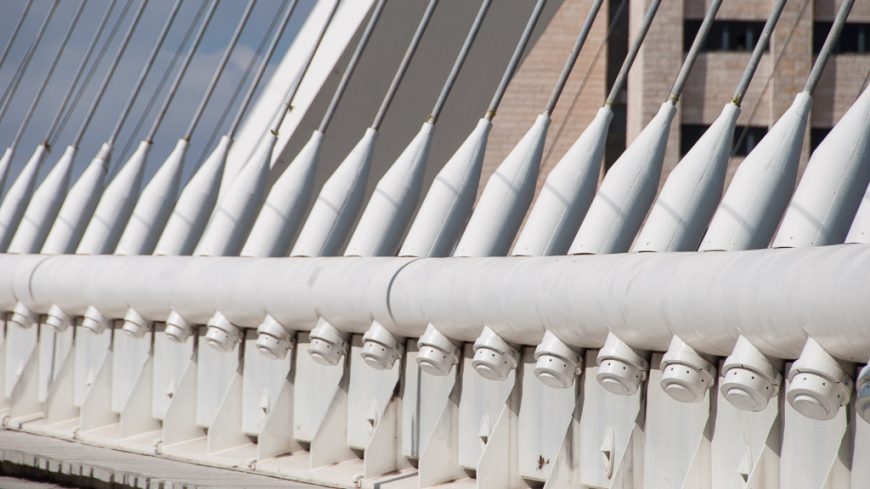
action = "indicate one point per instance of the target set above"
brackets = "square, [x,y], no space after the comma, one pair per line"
[627,191]
[506,197]
[390,207]
[195,204]
[688,199]
[154,206]
[566,194]
[236,210]
[281,215]
[825,203]
[114,209]
[447,206]
[338,203]
[762,186]
[78,206]
[18,197]
[44,206]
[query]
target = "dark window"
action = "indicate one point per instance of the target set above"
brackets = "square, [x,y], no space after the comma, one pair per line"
[725,35]
[855,37]
[617,49]
[745,138]
[817,135]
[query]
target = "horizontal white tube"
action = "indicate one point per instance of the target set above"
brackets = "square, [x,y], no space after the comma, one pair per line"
[773,297]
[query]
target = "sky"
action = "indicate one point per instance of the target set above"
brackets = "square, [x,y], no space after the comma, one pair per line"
[109,109]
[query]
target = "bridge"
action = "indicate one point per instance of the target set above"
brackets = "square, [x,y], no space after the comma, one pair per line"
[606,325]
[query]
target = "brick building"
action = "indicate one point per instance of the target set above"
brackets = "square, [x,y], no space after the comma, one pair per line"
[780,76]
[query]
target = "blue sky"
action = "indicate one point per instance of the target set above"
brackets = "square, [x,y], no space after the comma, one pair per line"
[181,109]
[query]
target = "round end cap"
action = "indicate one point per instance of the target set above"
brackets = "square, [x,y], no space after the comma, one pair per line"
[22,316]
[684,384]
[176,333]
[324,352]
[814,396]
[272,347]
[554,371]
[94,321]
[618,377]
[378,356]
[491,364]
[434,361]
[219,339]
[747,390]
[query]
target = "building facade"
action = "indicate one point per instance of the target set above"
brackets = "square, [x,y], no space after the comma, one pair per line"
[798,36]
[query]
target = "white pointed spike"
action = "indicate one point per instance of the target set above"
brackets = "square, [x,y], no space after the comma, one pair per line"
[831,188]
[762,186]
[195,204]
[236,210]
[115,206]
[282,212]
[18,197]
[5,161]
[627,191]
[154,206]
[335,209]
[448,203]
[567,193]
[506,197]
[689,197]
[43,207]
[392,204]
[78,206]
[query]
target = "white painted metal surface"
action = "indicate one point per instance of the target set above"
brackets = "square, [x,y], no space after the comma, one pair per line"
[195,204]
[742,368]
[326,228]
[16,199]
[447,206]
[154,206]
[689,197]
[567,193]
[627,191]
[43,207]
[78,207]
[115,206]
[281,216]
[825,202]
[761,188]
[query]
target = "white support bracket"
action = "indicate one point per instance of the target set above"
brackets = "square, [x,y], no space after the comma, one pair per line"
[276,437]
[226,432]
[678,428]
[96,411]
[136,417]
[24,405]
[329,445]
[498,466]
[179,422]
[439,458]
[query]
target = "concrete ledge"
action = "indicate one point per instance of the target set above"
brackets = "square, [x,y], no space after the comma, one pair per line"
[63,462]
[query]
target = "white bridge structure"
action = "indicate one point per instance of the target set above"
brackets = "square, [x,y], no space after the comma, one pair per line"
[615,332]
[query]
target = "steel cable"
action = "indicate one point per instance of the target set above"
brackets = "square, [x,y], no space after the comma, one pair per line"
[25,62]
[47,79]
[270,51]
[287,106]
[237,90]
[152,100]
[108,77]
[50,134]
[82,88]
[15,32]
